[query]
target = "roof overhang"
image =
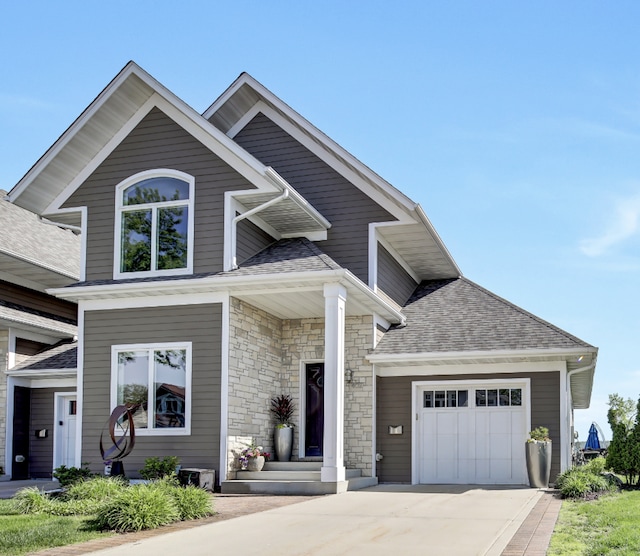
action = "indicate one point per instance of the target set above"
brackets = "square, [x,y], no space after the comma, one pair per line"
[107,121]
[14,318]
[33,272]
[284,295]
[579,363]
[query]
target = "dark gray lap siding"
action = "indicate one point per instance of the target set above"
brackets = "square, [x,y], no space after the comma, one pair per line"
[199,324]
[393,395]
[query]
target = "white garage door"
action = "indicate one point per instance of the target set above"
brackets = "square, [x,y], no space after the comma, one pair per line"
[472,433]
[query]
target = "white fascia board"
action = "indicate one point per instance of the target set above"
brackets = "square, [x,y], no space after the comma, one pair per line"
[21,256]
[471,368]
[245,79]
[432,231]
[484,354]
[43,373]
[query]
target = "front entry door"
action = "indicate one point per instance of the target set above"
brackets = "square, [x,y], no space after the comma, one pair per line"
[314,404]
[66,415]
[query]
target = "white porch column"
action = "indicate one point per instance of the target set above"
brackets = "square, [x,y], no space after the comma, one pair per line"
[335,297]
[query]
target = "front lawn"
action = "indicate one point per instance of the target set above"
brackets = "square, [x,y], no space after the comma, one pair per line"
[23,534]
[607,526]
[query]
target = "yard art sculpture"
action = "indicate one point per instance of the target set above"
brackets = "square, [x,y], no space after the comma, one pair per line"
[120,420]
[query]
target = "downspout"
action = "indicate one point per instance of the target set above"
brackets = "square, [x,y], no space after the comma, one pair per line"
[254,210]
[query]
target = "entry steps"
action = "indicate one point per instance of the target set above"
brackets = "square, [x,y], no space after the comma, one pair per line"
[293,477]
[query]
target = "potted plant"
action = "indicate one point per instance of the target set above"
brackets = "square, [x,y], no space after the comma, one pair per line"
[538,454]
[252,458]
[282,407]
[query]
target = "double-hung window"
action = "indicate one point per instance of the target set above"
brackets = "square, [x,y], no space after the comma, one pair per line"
[154,224]
[154,381]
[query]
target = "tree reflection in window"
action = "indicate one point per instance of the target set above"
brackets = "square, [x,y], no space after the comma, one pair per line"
[154,234]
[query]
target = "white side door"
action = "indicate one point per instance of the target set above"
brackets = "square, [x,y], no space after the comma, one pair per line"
[64,446]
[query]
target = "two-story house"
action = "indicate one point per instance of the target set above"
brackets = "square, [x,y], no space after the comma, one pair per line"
[35,326]
[235,255]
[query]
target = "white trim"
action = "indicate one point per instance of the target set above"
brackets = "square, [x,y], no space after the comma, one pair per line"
[80,382]
[120,209]
[473,367]
[417,385]
[391,250]
[224,388]
[83,236]
[58,398]
[138,302]
[565,424]
[150,347]
[475,354]
[402,206]
[383,323]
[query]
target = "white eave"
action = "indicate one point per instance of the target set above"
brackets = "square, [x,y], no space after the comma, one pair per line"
[285,295]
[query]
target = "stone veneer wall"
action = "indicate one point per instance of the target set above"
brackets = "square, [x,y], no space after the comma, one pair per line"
[254,378]
[281,347]
[4,354]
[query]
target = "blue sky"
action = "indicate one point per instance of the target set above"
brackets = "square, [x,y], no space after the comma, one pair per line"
[516,125]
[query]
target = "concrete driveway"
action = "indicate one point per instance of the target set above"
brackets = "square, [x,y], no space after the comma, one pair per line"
[387,519]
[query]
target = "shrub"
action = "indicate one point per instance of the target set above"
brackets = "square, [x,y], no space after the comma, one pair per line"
[596,465]
[578,482]
[97,488]
[138,507]
[192,502]
[156,468]
[69,475]
[31,501]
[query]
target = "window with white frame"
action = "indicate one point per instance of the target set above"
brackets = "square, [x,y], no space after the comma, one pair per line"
[154,224]
[154,381]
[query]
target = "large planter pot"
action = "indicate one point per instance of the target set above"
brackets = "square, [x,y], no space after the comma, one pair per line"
[283,443]
[538,454]
[255,464]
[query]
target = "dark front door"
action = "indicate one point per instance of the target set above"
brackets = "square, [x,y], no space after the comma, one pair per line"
[314,425]
[21,419]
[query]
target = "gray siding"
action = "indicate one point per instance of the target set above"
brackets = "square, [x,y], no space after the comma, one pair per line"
[38,301]
[347,208]
[199,324]
[250,240]
[393,279]
[394,408]
[42,414]
[157,142]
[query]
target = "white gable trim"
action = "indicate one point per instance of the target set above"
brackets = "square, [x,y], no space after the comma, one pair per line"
[328,158]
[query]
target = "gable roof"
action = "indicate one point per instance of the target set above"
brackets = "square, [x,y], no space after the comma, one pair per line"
[458,322]
[130,96]
[411,237]
[33,251]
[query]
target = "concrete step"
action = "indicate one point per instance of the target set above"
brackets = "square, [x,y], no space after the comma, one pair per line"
[292,466]
[268,475]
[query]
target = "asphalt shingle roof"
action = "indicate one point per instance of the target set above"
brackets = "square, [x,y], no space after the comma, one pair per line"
[59,356]
[457,315]
[287,255]
[23,235]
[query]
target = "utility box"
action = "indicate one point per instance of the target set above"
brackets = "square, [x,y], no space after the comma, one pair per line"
[203,478]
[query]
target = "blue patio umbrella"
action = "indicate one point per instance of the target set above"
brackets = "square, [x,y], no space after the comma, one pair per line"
[593,442]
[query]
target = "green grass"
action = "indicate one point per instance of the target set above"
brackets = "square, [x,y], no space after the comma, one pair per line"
[609,526]
[22,534]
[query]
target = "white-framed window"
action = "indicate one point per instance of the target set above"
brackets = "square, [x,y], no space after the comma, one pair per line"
[154,224]
[154,380]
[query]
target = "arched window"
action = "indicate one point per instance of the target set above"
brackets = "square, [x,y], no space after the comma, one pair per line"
[154,224]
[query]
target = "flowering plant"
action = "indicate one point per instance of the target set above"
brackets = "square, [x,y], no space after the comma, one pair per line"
[252,451]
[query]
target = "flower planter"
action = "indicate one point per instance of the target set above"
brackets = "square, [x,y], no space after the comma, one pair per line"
[255,463]
[283,442]
[538,455]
